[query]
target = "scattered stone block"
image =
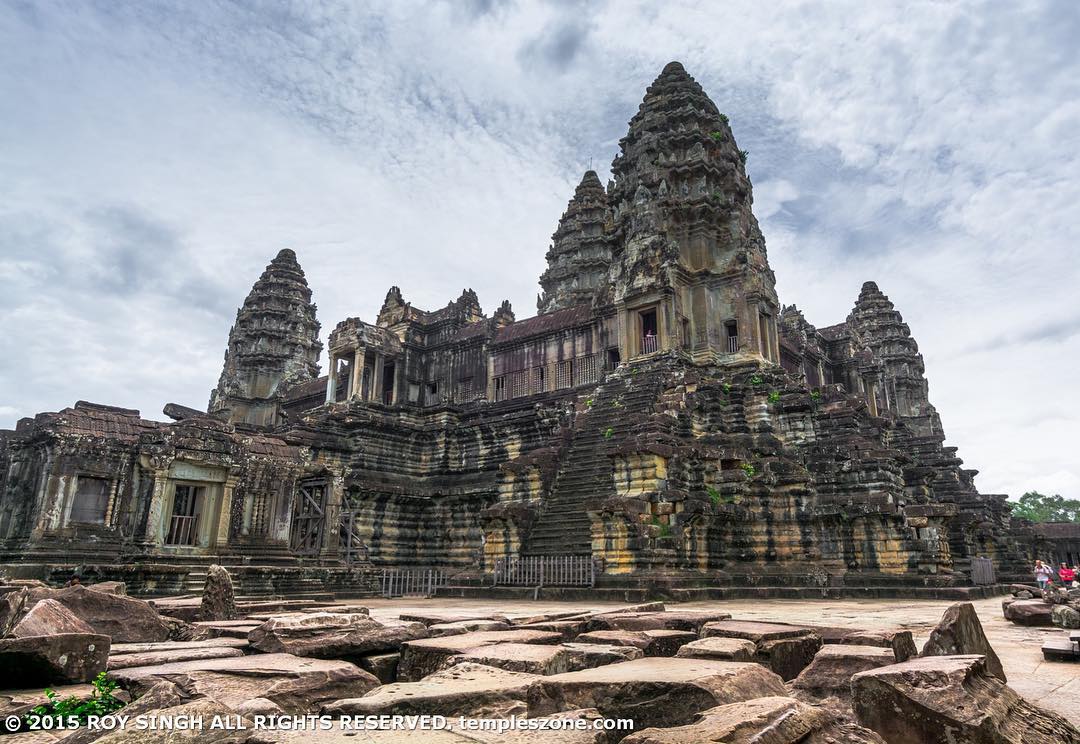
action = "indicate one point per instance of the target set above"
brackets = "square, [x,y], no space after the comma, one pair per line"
[831,670]
[568,629]
[651,642]
[474,690]
[152,658]
[420,658]
[440,618]
[960,633]
[218,599]
[945,699]
[382,666]
[751,631]
[296,685]
[12,604]
[788,656]
[1060,648]
[900,641]
[721,649]
[465,626]
[533,658]
[1032,612]
[64,657]
[653,691]
[674,620]
[1065,616]
[782,720]
[109,587]
[123,619]
[49,617]
[140,648]
[331,635]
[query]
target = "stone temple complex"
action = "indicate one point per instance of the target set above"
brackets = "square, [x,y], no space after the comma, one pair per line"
[663,416]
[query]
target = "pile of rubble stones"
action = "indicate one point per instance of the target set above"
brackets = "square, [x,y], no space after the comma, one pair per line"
[1054,605]
[681,676]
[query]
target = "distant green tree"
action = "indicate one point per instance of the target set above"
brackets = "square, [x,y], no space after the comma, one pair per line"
[1042,508]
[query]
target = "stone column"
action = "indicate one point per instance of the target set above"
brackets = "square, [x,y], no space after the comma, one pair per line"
[220,536]
[357,376]
[155,515]
[331,380]
[331,539]
[376,379]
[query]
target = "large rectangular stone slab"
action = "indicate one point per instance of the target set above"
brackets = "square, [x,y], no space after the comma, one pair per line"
[651,642]
[654,691]
[423,657]
[750,630]
[295,684]
[535,658]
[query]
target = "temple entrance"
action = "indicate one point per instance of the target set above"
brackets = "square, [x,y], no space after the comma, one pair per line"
[388,383]
[309,518]
[184,522]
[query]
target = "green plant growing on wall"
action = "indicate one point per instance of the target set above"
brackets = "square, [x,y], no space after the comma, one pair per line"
[718,195]
[756,380]
[726,387]
[815,395]
[717,136]
[609,433]
[616,404]
[665,529]
[743,155]
[774,396]
[723,118]
[748,469]
[100,703]
[714,496]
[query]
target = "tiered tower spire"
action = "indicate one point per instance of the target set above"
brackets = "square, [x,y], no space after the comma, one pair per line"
[580,252]
[273,344]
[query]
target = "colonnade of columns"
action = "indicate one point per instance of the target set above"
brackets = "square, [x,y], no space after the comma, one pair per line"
[355,384]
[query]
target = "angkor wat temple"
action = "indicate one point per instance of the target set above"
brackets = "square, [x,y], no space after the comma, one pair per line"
[662,413]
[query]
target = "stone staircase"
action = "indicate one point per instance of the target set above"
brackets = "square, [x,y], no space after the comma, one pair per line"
[563,527]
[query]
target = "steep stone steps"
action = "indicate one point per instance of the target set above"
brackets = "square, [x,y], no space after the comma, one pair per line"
[586,472]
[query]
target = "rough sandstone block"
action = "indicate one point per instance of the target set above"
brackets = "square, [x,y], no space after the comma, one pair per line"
[420,658]
[546,660]
[900,641]
[674,620]
[467,689]
[331,635]
[1034,612]
[64,657]
[958,633]
[782,720]
[49,617]
[723,649]
[949,699]
[123,619]
[153,658]
[653,691]
[651,642]
[830,672]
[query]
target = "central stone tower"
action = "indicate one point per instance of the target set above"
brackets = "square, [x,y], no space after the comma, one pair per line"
[685,261]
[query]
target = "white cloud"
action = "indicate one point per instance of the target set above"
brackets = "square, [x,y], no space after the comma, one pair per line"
[157,156]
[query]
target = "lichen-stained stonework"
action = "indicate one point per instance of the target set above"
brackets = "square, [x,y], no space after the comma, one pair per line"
[664,413]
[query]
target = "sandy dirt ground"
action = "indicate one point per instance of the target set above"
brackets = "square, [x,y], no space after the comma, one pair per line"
[1054,685]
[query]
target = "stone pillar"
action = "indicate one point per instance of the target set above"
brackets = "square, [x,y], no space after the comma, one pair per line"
[155,515]
[220,537]
[357,377]
[331,380]
[376,379]
[332,518]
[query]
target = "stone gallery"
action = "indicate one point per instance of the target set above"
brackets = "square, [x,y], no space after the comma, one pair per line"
[663,424]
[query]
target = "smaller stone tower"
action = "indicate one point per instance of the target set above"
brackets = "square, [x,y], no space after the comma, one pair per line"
[273,344]
[580,253]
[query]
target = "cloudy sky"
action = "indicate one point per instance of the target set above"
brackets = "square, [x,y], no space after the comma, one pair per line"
[155,156]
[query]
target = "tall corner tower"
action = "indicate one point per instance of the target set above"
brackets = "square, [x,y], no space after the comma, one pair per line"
[273,345]
[688,259]
[580,253]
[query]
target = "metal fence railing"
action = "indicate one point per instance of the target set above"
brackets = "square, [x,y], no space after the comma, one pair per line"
[982,571]
[546,570]
[412,582]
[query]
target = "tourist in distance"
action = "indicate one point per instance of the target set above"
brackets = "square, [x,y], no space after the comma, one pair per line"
[1067,575]
[1042,574]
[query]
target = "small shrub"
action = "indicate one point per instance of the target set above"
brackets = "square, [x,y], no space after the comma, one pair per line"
[714,496]
[743,155]
[723,118]
[718,195]
[665,529]
[756,380]
[588,402]
[748,469]
[717,136]
[726,387]
[815,395]
[101,702]
[609,433]
[774,396]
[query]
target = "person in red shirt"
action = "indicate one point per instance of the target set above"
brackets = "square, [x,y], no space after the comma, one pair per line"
[1067,575]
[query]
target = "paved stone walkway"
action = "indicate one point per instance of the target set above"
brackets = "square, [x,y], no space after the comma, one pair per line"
[1054,685]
